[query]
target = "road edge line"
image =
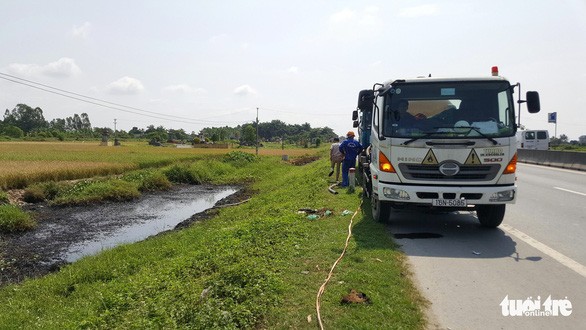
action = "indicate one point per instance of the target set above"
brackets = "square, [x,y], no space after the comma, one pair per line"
[561,258]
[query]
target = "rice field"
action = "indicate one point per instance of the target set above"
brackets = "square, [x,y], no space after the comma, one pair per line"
[24,163]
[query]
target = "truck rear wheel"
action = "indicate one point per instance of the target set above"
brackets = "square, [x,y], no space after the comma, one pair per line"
[381,211]
[490,216]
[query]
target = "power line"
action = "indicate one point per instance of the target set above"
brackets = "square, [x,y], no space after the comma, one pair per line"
[297,113]
[133,110]
[100,102]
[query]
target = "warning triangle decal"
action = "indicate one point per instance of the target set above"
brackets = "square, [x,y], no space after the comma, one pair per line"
[473,159]
[429,158]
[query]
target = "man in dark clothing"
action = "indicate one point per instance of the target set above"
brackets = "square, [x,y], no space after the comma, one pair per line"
[350,148]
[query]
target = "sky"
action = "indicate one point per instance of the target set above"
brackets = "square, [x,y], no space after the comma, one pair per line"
[194,64]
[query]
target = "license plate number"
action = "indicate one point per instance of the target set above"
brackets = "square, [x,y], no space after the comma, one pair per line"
[449,202]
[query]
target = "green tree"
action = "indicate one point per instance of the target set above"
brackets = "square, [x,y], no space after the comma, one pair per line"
[177,134]
[136,132]
[58,124]
[26,118]
[249,134]
[11,131]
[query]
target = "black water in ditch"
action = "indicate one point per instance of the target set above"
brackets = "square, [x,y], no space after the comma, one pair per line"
[148,216]
[65,234]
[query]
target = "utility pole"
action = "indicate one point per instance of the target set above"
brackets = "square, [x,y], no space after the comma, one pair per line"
[116,142]
[257,131]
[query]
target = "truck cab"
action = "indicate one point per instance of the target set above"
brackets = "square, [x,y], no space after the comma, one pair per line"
[446,143]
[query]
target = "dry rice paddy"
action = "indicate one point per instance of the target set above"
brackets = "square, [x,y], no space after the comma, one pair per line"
[23,163]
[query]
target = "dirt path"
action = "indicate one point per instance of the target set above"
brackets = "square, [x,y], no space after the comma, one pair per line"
[39,252]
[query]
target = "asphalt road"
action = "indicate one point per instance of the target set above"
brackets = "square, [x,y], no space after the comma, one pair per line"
[474,276]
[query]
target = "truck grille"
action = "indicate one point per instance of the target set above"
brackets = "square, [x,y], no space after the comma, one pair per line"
[466,173]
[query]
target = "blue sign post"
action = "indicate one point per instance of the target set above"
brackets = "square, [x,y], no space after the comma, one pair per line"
[552,117]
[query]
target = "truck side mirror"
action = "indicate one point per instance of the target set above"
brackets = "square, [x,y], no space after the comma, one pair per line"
[354,114]
[365,99]
[355,124]
[533,104]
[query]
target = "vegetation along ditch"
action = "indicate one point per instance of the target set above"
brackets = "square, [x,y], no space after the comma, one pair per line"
[252,265]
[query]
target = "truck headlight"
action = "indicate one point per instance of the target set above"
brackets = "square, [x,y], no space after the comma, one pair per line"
[393,193]
[503,196]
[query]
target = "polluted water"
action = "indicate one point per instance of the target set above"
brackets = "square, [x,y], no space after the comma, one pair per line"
[143,218]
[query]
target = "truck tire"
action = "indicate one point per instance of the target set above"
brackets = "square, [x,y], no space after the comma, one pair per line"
[381,211]
[490,216]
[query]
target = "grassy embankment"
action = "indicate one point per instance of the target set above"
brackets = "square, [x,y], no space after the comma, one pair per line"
[40,166]
[258,264]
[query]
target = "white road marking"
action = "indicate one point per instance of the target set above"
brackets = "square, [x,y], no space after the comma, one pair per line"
[564,260]
[570,191]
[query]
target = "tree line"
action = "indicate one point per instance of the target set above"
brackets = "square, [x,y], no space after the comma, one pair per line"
[25,122]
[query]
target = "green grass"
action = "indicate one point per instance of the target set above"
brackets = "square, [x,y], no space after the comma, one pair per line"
[3,197]
[214,169]
[569,147]
[13,219]
[256,265]
[88,192]
[148,180]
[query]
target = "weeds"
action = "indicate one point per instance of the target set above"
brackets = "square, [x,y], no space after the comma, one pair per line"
[181,173]
[3,197]
[239,157]
[87,192]
[148,180]
[13,219]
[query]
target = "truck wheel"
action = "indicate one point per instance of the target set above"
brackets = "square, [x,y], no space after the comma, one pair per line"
[381,211]
[490,216]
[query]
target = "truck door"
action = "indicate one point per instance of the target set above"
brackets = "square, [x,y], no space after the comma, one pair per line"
[542,140]
[529,140]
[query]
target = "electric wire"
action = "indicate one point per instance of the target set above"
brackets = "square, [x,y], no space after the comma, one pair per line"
[296,113]
[133,110]
[101,103]
[87,97]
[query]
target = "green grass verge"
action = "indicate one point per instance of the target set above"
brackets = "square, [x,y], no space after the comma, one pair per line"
[257,265]
[12,219]
[3,197]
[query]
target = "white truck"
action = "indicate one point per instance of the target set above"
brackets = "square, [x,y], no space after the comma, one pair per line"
[533,139]
[441,143]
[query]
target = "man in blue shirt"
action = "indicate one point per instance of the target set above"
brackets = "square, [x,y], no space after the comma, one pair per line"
[350,148]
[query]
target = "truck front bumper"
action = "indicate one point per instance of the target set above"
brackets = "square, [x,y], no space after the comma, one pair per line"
[424,195]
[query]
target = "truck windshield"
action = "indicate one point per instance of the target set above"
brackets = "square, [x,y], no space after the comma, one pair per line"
[471,109]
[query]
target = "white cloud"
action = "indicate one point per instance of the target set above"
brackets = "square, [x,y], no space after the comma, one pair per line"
[348,24]
[244,90]
[64,67]
[419,11]
[293,69]
[81,31]
[125,85]
[24,69]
